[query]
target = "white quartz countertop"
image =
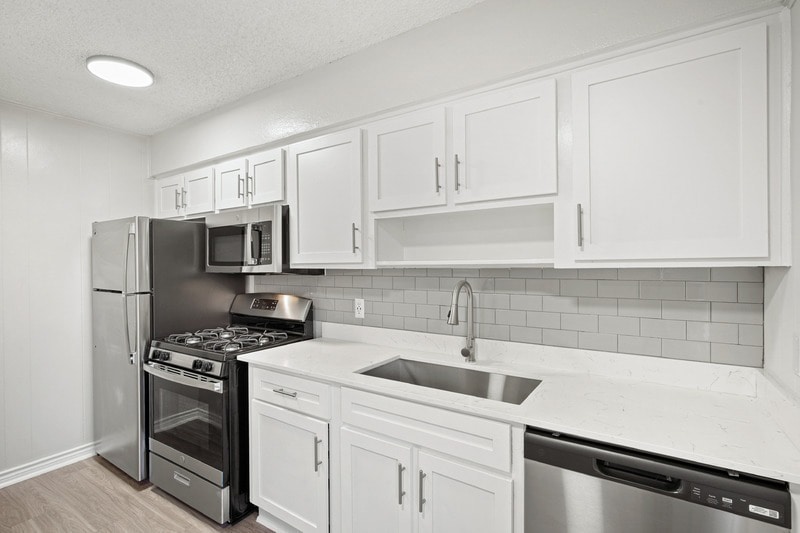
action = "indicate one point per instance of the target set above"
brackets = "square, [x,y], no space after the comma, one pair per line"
[710,414]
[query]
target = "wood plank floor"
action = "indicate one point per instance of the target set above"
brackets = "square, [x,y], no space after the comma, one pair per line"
[93,495]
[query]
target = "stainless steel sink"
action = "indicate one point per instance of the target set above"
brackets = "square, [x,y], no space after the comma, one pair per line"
[510,389]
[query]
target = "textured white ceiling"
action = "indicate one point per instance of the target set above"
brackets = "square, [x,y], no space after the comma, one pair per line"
[203,53]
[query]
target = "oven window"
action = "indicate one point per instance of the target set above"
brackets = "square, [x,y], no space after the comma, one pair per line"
[189,420]
[226,245]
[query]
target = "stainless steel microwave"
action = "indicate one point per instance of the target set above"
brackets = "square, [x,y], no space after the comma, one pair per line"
[245,248]
[251,242]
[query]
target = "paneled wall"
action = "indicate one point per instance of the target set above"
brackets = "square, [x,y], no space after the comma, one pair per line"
[57,176]
[700,314]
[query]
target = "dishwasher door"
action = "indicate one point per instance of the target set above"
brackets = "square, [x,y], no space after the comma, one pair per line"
[574,486]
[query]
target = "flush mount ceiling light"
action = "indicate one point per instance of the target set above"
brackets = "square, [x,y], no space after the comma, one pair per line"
[119,71]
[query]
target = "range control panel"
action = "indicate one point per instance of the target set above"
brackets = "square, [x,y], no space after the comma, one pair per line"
[264,304]
[738,504]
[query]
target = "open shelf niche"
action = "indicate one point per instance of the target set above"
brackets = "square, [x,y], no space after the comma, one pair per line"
[507,236]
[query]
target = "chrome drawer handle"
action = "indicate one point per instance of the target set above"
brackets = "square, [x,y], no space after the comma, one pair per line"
[292,394]
[183,480]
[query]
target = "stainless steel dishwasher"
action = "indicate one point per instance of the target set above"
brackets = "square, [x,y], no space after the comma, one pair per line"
[576,486]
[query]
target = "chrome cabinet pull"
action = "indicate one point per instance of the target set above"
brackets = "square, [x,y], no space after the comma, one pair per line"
[239,183]
[400,491]
[251,190]
[580,226]
[292,394]
[436,170]
[181,479]
[421,499]
[183,198]
[317,462]
[457,163]
[354,230]
[177,199]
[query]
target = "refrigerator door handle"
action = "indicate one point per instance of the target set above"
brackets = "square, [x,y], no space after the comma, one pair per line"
[125,316]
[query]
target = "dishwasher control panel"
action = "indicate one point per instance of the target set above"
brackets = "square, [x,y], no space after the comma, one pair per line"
[737,503]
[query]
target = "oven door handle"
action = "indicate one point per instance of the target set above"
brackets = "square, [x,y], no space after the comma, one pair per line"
[213,386]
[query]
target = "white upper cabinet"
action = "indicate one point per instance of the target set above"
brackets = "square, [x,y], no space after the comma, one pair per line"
[265,177]
[199,191]
[670,153]
[185,194]
[252,180]
[169,197]
[324,194]
[504,143]
[407,161]
[231,183]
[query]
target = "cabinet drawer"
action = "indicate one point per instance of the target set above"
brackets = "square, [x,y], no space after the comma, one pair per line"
[486,442]
[298,394]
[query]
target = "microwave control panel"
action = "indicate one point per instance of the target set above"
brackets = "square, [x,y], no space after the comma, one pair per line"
[265,243]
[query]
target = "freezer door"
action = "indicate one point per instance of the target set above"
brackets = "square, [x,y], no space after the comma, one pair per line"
[120,334]
[121,255]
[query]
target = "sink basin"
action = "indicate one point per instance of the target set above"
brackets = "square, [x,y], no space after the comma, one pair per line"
[490,385]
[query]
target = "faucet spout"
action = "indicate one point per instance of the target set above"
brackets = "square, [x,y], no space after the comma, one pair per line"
[452,318]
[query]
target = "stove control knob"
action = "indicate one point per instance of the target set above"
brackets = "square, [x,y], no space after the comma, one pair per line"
[197,364]
[164,356]
[156,355]
[208,366]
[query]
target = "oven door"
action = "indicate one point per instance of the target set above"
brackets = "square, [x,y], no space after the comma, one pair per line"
[189,421]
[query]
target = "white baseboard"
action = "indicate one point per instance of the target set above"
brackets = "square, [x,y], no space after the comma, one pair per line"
[46,464]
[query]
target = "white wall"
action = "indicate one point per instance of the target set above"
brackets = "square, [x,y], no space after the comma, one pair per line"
[494,40]
[57,176]
[782,285]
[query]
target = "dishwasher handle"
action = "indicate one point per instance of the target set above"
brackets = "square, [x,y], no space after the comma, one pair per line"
[637,476]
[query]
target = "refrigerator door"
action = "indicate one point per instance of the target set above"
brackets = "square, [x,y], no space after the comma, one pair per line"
[185,296]
[120,335]
[121,255]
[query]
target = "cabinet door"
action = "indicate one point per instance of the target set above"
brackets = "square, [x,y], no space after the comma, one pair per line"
[457,497]
[504,143]
[325,199]
[231,184]
[289,466]
[670,151]
[199,187]
[376,484]
[406,161]
[265,177]
[169,197]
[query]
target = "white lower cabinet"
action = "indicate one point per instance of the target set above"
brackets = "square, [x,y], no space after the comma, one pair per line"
[393,486]
[376,484]
[289,467]
[419,474]
[457,497]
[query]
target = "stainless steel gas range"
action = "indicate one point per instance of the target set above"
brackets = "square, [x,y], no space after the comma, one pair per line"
[198,419]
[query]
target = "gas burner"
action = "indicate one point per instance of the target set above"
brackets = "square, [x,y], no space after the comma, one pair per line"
[179,338]
[193,339]
[232,347]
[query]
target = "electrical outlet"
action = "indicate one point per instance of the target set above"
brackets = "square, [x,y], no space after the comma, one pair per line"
[358,307]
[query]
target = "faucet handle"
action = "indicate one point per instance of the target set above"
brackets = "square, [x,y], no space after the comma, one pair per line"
[467,354]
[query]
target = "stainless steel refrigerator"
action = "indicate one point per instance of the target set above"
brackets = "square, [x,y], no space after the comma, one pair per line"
[148,281]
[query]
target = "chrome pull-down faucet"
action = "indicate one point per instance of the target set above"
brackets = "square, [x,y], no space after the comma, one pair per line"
[452,318]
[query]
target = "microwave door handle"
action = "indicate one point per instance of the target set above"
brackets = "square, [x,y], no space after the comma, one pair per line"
[247,251]
[255,245]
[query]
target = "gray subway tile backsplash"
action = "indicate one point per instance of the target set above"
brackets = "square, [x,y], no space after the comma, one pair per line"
[701,314]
